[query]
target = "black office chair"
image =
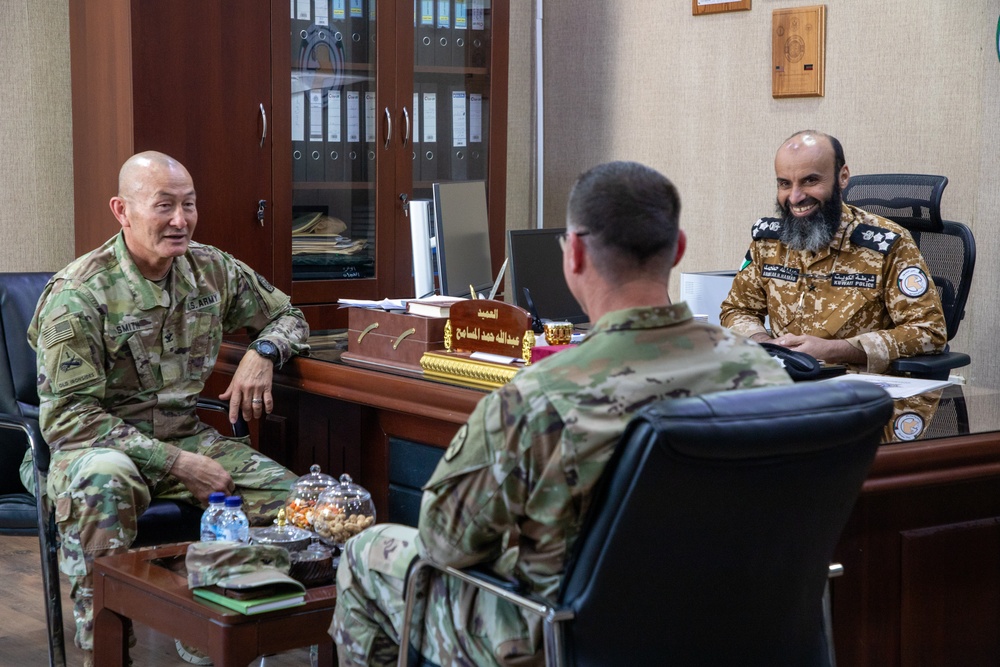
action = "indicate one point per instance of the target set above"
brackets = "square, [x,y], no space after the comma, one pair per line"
[949,248]
[165,521]
[710,535]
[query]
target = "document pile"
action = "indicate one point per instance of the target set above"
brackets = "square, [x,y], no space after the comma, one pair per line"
[316,233]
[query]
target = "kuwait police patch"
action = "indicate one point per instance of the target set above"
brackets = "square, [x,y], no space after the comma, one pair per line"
[913,281]
[908,426]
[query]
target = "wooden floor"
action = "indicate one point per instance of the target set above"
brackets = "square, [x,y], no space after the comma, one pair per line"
[23,635]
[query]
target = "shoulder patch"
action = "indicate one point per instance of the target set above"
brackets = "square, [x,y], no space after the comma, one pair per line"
[273,300]
[913,282]
[57,333]
[874,238]
[908,426]
[766,228]
[72,370]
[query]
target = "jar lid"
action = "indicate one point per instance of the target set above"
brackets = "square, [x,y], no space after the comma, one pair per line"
[345,491]
[314,483]
[281,533]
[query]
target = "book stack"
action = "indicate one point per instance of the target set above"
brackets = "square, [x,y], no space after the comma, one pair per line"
[255,593]
[433,306]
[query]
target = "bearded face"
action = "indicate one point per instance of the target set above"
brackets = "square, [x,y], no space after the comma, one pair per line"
[814,231]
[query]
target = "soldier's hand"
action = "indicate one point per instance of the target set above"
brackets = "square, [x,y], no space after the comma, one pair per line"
[201,475]
[830,351]
[249,391]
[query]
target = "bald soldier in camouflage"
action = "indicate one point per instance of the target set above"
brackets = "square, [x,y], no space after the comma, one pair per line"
[126,337]
[837,282]
[514,485]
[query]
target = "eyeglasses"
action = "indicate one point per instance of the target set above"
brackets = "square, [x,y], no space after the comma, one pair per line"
[562,237]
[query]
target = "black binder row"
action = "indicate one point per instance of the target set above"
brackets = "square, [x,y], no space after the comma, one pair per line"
[346,26]
[334,133]
[449,133]
[451,33]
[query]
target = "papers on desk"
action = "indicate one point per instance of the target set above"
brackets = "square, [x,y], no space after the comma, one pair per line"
[384,304]
[898,387]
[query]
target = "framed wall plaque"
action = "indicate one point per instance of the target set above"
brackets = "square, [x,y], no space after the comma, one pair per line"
[699,7]
[798,51]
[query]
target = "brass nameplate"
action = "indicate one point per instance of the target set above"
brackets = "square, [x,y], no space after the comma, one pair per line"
[482,325]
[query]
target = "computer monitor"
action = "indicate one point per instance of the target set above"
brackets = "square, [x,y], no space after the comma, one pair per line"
[462,238]
[536,263]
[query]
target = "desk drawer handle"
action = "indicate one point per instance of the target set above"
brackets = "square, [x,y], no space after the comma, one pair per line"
[370,327]
[402,336]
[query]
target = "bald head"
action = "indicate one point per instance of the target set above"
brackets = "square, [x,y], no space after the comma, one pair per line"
[143,168]
[820,145]
[156,208]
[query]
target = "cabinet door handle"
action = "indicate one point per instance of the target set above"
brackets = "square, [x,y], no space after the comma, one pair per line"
[406,133]
[388,128]
[263,133]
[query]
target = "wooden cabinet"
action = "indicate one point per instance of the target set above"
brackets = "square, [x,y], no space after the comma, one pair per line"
[226,87]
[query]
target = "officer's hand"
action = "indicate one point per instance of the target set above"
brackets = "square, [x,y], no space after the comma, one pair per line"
[201,475]
[249,391]
[830,351]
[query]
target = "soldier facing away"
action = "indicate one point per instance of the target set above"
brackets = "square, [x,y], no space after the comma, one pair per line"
[514,484]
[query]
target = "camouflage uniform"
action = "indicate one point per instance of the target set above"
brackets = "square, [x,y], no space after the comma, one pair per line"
[870,288]
[121,362]
[521,471]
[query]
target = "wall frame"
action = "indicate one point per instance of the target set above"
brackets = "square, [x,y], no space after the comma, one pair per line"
[699,7]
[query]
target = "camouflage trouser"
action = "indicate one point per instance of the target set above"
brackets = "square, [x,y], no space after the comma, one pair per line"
[99,494]
[368,619]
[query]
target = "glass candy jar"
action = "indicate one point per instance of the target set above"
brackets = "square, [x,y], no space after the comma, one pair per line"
[282,534]
[343,511]
[305,493]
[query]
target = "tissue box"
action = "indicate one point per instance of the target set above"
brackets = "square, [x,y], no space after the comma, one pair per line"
[392,339]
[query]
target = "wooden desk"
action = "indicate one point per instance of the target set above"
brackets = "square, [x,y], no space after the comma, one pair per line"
[135,586]
[921,551]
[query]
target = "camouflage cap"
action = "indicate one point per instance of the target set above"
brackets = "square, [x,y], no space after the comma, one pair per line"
[210,563]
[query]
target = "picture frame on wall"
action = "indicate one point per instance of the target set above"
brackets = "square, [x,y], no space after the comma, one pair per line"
[699,7]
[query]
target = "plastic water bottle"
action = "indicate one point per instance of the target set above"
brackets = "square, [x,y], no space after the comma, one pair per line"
[211,518]
[235,525]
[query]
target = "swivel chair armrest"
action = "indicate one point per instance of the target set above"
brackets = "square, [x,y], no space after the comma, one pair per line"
[483,580]
[930,366]
[240,428]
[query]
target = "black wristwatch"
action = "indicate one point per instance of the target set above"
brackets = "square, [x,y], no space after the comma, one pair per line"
[266,349]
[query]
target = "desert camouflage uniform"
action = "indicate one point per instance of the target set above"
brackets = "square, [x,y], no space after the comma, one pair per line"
[871,288]
[522,470]
[121,363]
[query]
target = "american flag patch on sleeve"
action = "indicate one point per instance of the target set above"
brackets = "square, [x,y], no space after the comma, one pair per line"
[57,333]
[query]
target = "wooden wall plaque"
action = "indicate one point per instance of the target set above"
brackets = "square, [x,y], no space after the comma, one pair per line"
[798,51]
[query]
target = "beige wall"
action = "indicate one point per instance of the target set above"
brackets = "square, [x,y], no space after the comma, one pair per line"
[911,86]
[36,157]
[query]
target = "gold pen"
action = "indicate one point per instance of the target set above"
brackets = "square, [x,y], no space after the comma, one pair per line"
[472,292]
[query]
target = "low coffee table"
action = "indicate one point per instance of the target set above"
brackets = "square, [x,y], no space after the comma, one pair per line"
[149,587]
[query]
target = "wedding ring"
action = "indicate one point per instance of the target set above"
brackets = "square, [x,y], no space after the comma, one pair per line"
[256,400]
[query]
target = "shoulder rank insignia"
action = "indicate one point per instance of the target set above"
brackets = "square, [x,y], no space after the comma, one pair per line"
[874,238]
[766,228]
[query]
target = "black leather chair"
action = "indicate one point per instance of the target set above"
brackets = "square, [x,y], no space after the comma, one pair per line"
[949,248]
[710,535]
[165,521]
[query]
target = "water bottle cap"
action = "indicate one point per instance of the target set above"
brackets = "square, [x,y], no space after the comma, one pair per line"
[233,501]
[217,497]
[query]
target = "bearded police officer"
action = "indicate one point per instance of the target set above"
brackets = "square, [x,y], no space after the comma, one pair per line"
[523,467]
[126,337]
[838,283]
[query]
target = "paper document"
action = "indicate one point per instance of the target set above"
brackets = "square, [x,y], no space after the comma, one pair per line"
[898,387]
[384,304]
[495,358]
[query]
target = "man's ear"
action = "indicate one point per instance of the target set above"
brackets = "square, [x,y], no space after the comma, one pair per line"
[845,176]
[681,246]
[117,205]
[577,251]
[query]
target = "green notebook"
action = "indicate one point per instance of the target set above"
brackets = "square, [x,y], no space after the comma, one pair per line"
[256,606]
